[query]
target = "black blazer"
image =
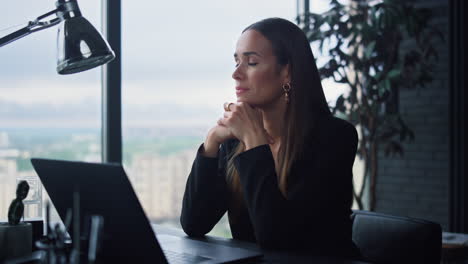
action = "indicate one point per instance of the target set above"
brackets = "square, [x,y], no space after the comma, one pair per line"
[316,214]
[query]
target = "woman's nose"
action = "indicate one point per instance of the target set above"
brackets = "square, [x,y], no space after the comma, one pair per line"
[237,74]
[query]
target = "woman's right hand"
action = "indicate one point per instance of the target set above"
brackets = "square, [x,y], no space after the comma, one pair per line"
[216,136]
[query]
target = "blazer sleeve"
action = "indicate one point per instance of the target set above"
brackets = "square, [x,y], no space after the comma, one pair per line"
[319,191]
[206,195]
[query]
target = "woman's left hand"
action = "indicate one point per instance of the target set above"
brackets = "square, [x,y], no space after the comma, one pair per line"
[246,124]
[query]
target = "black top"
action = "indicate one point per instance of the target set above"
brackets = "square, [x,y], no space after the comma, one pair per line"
[314,216]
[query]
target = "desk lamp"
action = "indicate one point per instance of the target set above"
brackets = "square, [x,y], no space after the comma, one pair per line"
[80,47]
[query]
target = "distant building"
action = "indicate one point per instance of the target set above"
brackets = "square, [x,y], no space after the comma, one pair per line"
[8,174]
[6,153]
[159,182]
[4,140]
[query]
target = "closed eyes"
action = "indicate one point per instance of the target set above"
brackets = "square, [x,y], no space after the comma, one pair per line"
[250,64]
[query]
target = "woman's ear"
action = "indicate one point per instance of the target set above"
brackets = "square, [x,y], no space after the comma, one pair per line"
[286,73]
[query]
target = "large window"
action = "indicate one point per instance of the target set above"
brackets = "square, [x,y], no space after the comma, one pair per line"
[333,89]
[42,114]
[177,66]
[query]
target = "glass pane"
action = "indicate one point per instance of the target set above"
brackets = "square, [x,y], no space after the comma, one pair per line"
[42,114]
[333,90]
[178,61]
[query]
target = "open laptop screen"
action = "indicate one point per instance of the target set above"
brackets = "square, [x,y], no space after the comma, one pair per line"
[104,190]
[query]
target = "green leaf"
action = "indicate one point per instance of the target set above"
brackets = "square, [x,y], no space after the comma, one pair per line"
[387,84]
[339,105]
[354,117]
[369,49]
[393,73]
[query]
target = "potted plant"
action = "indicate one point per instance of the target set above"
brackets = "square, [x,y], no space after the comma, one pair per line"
[375,48]
[16,236]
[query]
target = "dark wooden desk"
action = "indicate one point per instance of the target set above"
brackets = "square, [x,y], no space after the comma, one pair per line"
[272,257]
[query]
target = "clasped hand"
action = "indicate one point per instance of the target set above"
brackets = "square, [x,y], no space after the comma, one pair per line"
[242,122]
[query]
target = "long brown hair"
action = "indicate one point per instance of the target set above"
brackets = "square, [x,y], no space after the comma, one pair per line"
[307,100]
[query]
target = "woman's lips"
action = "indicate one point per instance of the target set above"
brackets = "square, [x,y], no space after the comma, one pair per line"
[240,90]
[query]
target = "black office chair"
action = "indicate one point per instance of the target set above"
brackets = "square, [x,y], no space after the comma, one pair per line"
[383,238]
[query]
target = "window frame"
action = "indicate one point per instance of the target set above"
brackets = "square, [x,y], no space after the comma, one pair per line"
[111,78]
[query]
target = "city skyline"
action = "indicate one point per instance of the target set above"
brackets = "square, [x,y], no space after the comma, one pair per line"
[158,176]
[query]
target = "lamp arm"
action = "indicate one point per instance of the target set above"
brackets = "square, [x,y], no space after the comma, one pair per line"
[32,26]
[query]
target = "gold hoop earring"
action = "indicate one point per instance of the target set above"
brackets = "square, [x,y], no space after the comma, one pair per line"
[286,89]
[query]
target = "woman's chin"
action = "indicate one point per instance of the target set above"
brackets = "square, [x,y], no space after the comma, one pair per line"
[249,102]
[240,99]
[244,99]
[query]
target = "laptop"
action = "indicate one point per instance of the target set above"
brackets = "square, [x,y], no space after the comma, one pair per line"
[127,234]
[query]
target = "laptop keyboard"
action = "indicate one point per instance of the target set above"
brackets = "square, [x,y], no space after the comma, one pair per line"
[177,257]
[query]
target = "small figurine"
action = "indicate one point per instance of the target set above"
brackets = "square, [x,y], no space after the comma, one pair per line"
[16,209]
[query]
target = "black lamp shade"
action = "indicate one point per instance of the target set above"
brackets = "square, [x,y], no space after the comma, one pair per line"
[80,47]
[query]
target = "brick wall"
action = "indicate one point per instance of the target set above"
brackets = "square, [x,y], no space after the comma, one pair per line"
[416,184]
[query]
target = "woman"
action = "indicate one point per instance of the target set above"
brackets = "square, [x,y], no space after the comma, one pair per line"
[278,162]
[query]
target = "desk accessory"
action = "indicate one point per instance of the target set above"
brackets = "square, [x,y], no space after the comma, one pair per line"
[59,249]
[80,47]
[16,236]
[37,229]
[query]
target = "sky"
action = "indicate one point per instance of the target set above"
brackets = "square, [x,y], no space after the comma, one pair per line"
[177,59]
